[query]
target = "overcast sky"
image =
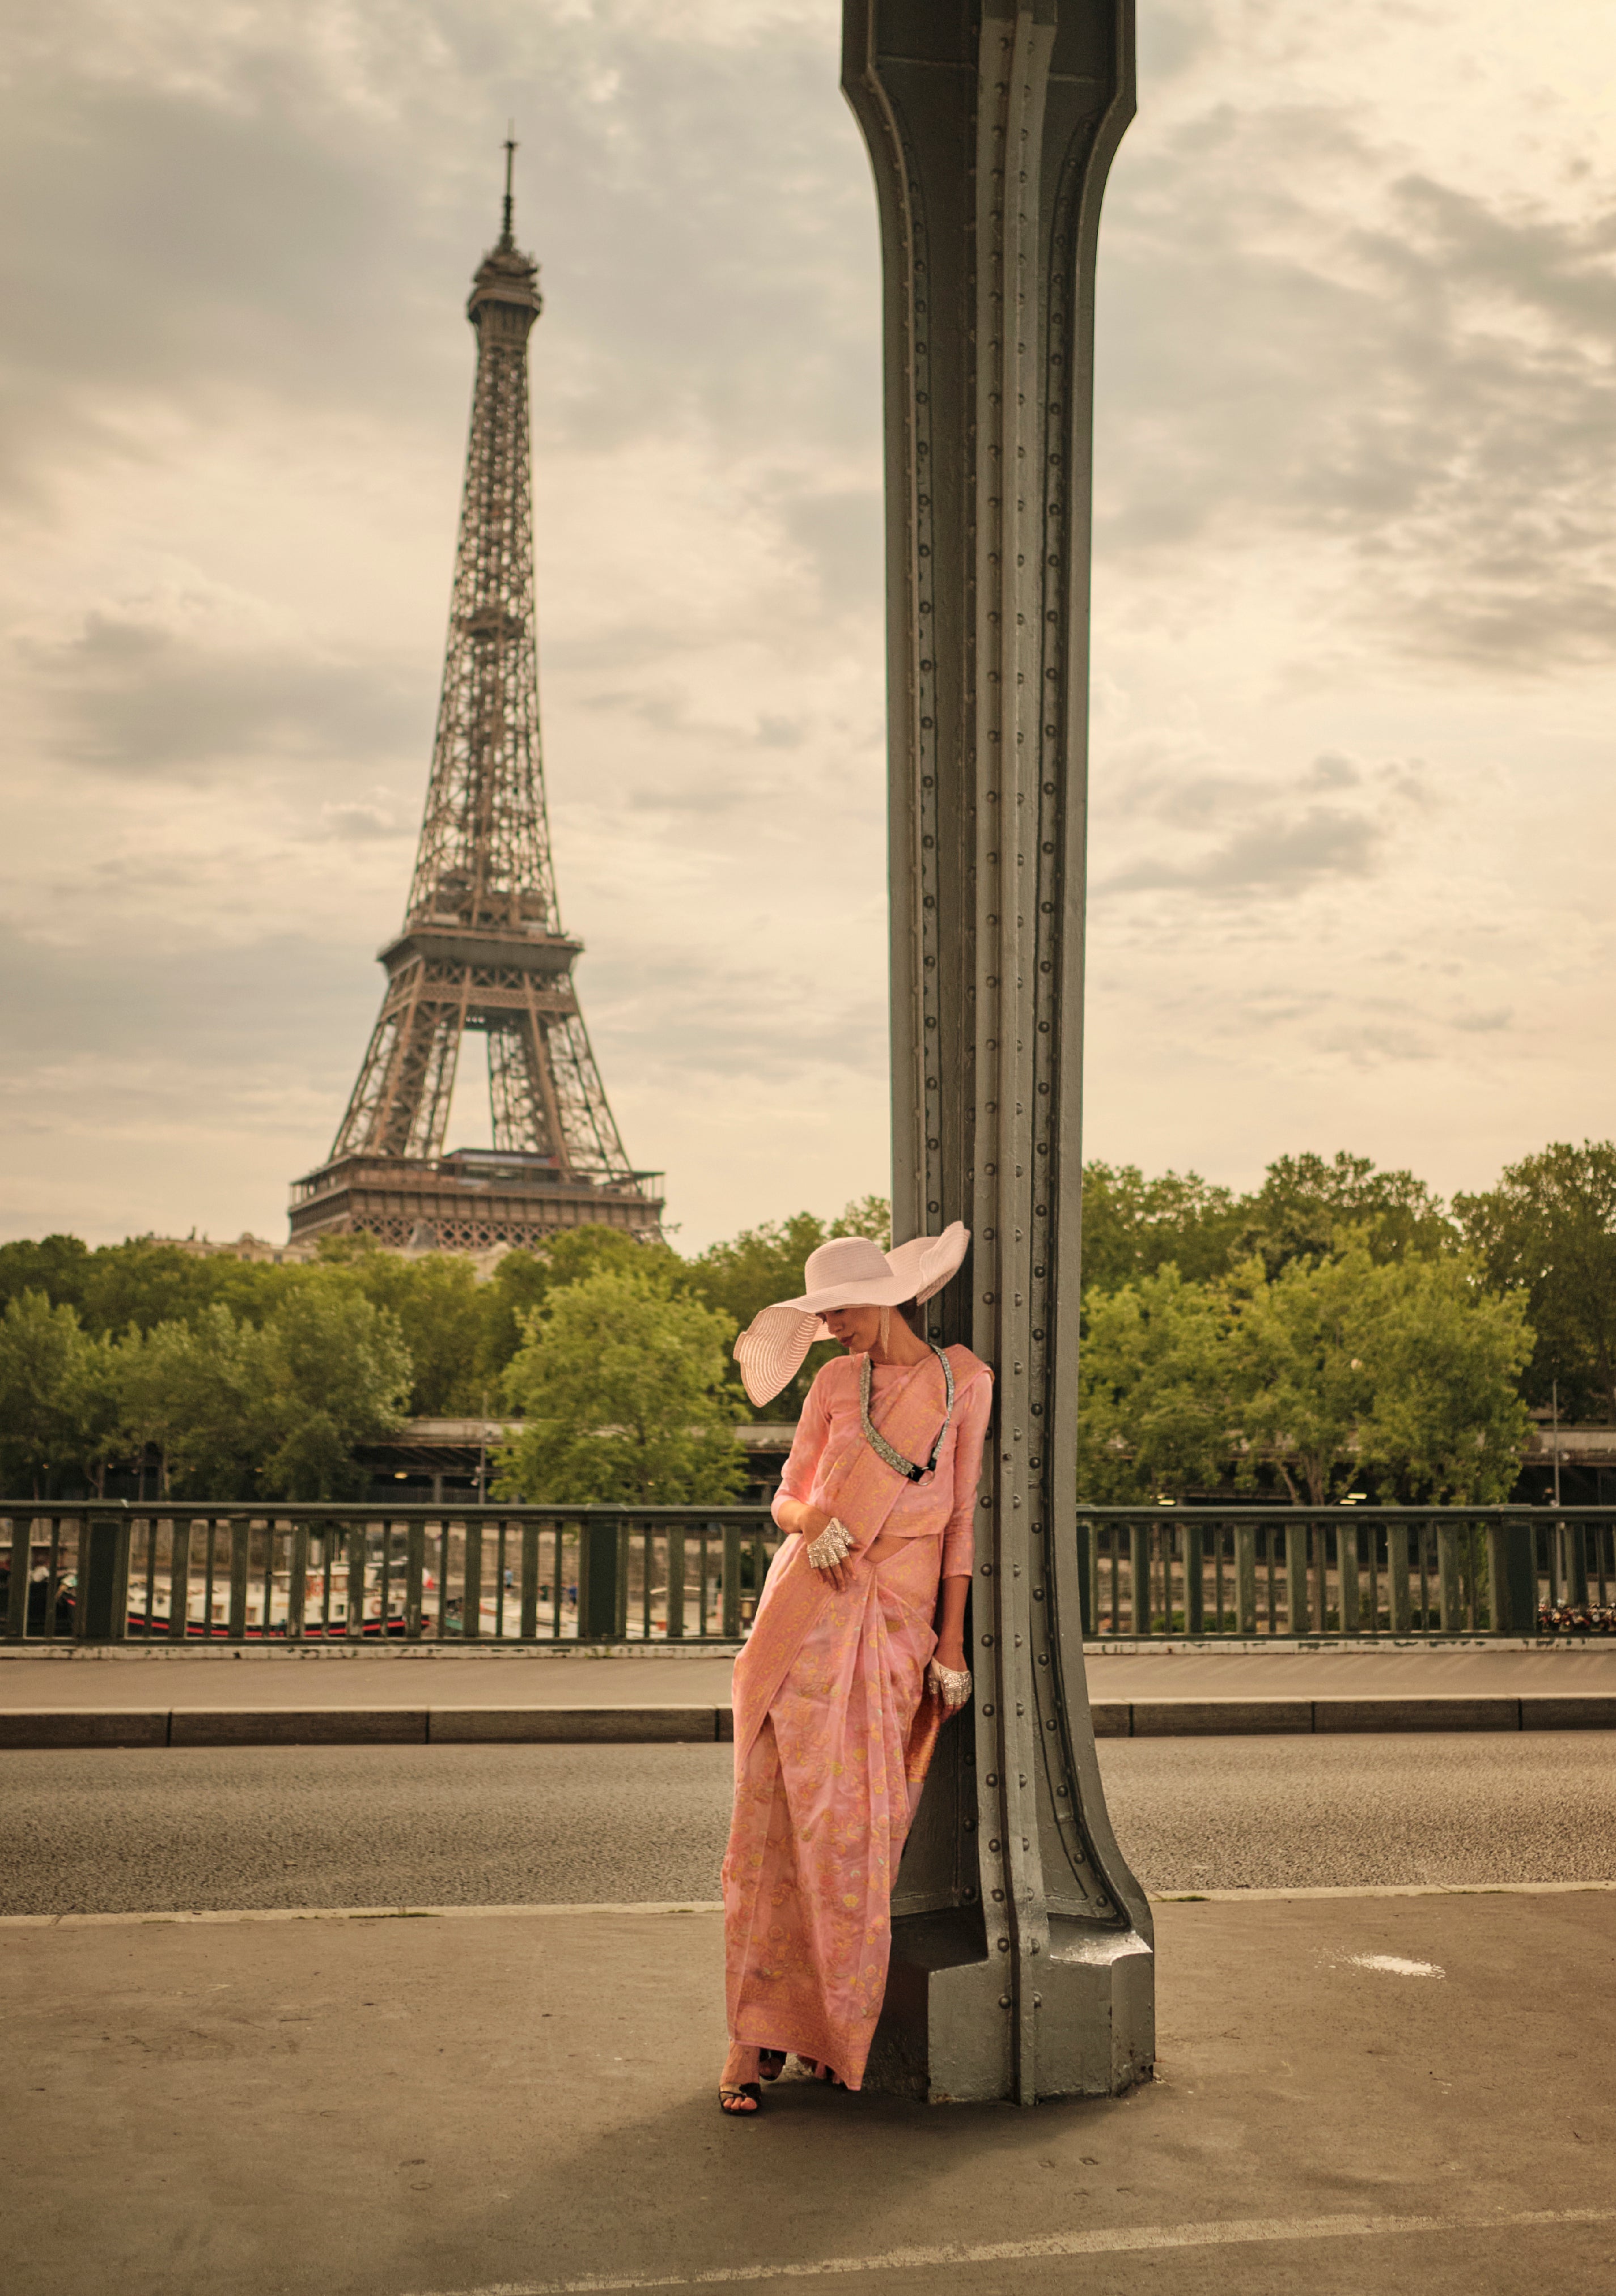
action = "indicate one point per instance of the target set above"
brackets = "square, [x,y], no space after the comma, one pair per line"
[1355,662]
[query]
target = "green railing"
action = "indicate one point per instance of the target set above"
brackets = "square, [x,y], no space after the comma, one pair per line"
[512,1576]
[170,1573]
[1300,1572]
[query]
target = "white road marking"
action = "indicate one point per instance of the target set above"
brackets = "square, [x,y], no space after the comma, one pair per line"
[714,1904]
[1374,1890]
[1119,2240]
[352,1914]
[1394,1965]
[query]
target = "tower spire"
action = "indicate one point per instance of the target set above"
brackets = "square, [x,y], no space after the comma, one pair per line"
[506,236]
[482,947]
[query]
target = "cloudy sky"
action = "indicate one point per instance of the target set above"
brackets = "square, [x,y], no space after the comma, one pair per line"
[1354,580]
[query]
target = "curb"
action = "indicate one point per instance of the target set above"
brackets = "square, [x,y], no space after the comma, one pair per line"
[46,1727]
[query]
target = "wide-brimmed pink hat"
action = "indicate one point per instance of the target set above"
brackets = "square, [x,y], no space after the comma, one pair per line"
[848,1271]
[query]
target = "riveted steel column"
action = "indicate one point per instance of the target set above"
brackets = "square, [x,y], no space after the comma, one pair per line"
[1022,1963]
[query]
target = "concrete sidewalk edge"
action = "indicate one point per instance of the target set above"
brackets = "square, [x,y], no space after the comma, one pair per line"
[45,1728]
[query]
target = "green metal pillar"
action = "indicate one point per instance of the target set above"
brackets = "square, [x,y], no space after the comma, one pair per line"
[1022,1963]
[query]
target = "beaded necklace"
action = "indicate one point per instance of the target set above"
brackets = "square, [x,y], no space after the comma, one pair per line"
[878,1442]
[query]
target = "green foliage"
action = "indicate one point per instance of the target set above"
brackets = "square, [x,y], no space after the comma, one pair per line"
[1155,1378]
[1134,1226]
[1448,1424]
[1329,1370]
[337,1372]
[1304,1205]
[1351,1364]
[141,1285]
[526,1280]
[623,1386]
[57,1265]
[58,1394]
[1549,1228]
[436,1303]
[195,1394]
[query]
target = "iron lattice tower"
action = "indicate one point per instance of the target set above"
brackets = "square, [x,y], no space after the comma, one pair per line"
[482,946]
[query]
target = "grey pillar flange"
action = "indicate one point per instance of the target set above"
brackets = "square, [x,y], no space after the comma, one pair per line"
[1022,1961]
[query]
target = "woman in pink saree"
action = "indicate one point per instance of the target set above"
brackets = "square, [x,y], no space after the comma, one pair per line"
[856,1658]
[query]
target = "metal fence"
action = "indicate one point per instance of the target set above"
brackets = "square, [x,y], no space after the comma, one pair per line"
[123,1572]
[1362,1571]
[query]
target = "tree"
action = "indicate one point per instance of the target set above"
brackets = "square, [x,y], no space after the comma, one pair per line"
[336,1372]
[195,1393]
[624,1390]
[1156,1374]
[1448,1424]
[55,1399]
[1133,1227]
[1304,1205]
[1349,1364]
[1549,1228]
[525,1280]
[435,1300]
[57,1265]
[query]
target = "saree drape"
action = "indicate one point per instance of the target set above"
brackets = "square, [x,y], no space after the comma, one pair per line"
[833,1731]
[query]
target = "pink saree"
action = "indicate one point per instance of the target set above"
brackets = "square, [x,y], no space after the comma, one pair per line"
[833,1730]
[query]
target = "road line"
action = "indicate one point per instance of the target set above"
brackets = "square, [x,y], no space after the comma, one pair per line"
[715,1906]
[1113,2241]
[352,1914]
[1375,1890]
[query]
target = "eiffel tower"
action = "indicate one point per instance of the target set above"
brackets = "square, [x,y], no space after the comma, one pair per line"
[482,945]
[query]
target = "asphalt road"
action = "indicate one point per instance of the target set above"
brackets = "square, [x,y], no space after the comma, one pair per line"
[199,1828]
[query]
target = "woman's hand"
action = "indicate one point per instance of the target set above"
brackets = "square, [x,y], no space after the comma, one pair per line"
[809,1522]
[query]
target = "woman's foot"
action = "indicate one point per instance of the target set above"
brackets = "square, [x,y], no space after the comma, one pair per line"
[826,2073]
[738,2091]
[771,2064]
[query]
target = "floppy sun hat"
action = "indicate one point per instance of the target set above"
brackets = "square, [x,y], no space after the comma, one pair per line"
[850,1271]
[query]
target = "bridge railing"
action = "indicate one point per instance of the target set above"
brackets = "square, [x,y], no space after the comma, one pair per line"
[170,1573]
[175,1573]
[1345,1571]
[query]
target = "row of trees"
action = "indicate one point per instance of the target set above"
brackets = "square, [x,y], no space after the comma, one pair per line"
[1336,1323]
[221,1407]
[1400,1374]
[226,1379]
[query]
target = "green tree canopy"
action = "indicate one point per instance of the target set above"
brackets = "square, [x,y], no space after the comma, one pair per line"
[623,1386]
[1156,1379]
[1549,1228]
[196,1393]
[337,1372]
[1133,1227]
[58,1395]
[1409,1366]
[1304,1205]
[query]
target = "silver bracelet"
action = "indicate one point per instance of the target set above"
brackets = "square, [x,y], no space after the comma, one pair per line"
[944,1683]
[833,1543]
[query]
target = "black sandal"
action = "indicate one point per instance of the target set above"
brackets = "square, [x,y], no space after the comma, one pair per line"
[739,2088]
[771,2063]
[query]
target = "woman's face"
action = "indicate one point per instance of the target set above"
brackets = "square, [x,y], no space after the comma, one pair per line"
[856,1328]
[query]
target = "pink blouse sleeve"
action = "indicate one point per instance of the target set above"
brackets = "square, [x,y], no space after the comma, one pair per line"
[959,1538]
[807,1448]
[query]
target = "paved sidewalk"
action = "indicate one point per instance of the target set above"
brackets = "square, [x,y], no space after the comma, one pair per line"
[132,1678]
[520,2102]
[422,1697]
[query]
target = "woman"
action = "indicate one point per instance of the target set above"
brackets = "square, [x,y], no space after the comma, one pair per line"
[857,1656]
